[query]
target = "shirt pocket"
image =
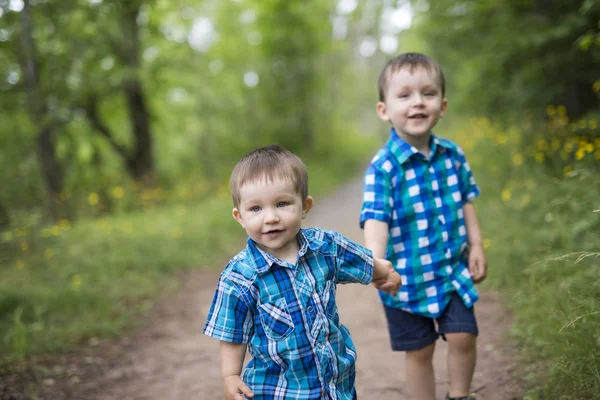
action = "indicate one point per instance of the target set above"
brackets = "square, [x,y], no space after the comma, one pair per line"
[328,299]
[276,319]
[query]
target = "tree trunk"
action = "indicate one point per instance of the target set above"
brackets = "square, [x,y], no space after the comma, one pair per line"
[141,164]
[49,166]
[51,169]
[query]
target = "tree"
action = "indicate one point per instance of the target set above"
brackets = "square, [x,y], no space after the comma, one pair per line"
[512,55]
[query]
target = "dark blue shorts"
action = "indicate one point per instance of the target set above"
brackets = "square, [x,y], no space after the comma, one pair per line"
[413,332]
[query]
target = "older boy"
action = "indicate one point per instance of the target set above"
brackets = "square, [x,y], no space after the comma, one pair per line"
[277,296]
[417,213]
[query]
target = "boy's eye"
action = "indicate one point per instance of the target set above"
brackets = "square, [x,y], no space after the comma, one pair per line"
[429,93]
[403,95]
[282,204]
[255,209]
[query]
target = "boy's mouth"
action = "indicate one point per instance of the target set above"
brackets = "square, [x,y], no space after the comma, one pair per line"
[273,232]
[418,116]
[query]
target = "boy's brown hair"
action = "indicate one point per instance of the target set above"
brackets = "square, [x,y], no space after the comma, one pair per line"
[270,162]
[411,60]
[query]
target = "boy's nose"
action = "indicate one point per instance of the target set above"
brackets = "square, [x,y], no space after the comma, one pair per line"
[417,99]
[271,216]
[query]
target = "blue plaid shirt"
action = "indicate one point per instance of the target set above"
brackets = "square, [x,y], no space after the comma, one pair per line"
[288,317]
[422,200]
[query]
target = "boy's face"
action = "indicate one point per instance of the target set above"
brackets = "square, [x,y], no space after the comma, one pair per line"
[272,213]
[413,103]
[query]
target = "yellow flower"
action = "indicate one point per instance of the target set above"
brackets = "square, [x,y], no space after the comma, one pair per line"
[176,233]
[48,254]
[64,224]
[596,86]
[506,195]
[541,144]
[501,139]
[118,192]
[561,110]
[539,157]
[550,110]
[517,159]
[487,243]
[20,264]
[93,198]
[569,147]
[580,154]
[24,246]
[76,281]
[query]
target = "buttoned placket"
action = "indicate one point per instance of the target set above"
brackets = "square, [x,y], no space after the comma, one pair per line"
[440,219]
[311,314]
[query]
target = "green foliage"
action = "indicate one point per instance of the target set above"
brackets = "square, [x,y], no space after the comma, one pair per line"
[541,220]
[506,57]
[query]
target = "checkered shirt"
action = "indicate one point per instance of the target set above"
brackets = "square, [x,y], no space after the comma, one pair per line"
[422,200]
[288,317]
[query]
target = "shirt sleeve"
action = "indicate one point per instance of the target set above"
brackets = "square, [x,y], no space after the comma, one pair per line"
[468,188]
[376,196]
[354,262]
[229,318]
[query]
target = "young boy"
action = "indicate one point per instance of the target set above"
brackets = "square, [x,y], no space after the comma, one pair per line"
[417,213]
[277,296]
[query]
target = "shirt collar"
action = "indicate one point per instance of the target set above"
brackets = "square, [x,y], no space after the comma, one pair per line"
[263,261]
[403,151]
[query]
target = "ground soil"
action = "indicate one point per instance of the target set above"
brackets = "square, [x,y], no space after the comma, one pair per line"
[169,358]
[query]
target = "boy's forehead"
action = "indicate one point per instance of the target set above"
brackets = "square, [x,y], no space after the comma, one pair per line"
[265,181]
[414,70]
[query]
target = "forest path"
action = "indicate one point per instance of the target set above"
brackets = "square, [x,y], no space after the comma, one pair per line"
[170,359]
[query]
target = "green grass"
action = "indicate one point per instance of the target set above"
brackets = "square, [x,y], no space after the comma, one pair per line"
[542,231]
[93,278]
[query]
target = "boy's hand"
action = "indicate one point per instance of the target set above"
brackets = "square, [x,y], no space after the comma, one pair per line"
[235,388]
[385,278]
[477,263]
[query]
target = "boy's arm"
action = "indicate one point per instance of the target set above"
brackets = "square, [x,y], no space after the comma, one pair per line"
[376,237]
[477,261]
[232,360]
[384,276]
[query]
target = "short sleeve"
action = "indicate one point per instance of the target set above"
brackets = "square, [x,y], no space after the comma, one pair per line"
[468,188]
[376,195]
[354,262]
[229,318]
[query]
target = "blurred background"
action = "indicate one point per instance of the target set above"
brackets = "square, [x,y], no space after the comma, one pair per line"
[121,121]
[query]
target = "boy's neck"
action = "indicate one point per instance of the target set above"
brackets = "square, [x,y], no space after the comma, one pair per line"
[421,143]
[289,255]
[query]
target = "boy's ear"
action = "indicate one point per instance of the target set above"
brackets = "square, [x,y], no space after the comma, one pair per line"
[306,206]
[382,111]
[444,107]
[238,217]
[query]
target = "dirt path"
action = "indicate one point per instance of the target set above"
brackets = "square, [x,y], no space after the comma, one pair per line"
[172,360]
